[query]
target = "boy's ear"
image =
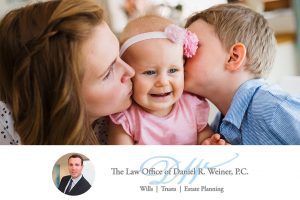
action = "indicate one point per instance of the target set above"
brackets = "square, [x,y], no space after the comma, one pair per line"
[237,55]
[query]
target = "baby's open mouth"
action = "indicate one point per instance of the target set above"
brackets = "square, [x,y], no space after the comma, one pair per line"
[161,94]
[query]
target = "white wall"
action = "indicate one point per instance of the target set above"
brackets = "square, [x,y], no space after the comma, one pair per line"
[291,85]
[191,6]
[285,62]
[88,171]
[118,19]
[6,5]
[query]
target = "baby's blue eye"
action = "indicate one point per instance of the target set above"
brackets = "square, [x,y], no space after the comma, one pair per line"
[149,72]
[173,70]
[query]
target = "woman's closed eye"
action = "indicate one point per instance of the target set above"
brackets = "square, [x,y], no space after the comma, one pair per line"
[109,73]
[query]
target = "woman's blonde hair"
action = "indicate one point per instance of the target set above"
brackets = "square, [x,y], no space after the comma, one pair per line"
[40,74]
[235,23]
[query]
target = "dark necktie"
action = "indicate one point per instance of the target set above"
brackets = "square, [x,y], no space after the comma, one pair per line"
[69,187]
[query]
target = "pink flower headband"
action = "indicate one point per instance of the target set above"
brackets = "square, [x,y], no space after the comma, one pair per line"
[172,32]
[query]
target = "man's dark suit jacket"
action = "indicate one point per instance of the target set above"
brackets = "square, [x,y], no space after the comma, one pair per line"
[81,186]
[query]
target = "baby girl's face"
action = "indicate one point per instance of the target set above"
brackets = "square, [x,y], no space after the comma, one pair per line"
[159,80]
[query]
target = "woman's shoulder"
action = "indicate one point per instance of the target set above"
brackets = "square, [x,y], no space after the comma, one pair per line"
[7,132]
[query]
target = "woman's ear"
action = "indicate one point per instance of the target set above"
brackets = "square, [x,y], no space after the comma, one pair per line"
[237,55]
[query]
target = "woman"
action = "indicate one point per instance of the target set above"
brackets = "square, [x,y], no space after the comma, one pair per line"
[59,72]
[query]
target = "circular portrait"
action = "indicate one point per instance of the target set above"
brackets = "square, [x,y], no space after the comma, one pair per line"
[73,174]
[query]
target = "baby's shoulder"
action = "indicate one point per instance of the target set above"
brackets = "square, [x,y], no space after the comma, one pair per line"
[188,97]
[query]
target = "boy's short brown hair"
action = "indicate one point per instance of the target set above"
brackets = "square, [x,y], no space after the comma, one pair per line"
[235,23]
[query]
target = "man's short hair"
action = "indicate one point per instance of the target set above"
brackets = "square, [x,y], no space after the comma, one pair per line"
[76,156]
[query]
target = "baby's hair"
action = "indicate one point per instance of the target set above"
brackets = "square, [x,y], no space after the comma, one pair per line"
[147,23]
[235,23]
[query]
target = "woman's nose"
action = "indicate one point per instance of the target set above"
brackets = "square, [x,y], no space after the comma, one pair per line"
[128,72]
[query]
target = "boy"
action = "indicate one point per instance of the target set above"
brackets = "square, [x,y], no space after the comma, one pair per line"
[236,50]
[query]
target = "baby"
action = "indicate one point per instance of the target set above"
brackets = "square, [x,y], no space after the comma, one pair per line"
[161,112]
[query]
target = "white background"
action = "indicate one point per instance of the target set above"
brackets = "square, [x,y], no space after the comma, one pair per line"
[26,171]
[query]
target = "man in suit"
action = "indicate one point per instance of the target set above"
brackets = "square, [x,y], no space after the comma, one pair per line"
[75,183]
